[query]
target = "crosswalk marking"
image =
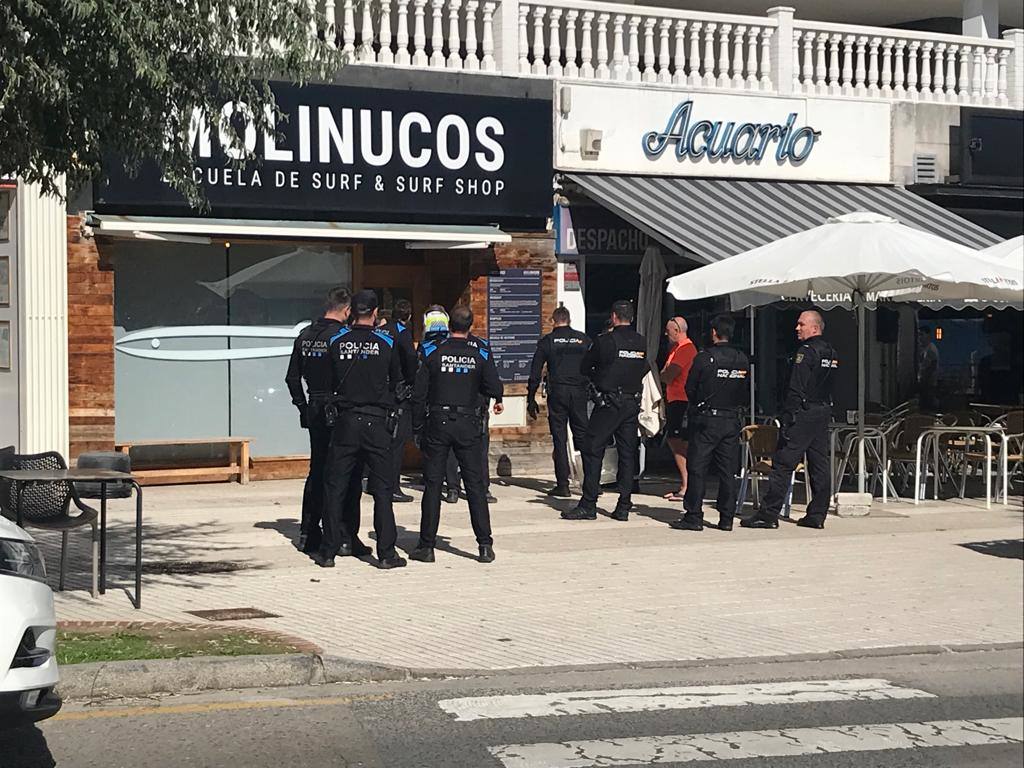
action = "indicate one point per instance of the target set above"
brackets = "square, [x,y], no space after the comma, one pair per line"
[737,745]
[682,697]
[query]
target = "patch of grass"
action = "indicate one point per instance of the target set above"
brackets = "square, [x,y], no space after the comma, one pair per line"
[112,644]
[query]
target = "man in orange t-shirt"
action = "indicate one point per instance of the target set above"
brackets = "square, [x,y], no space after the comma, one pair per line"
[673,376]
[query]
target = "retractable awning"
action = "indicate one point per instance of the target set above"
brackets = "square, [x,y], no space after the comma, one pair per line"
[443,235]
[718,218]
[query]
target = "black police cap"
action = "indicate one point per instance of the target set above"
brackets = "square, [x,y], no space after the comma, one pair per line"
[364,302]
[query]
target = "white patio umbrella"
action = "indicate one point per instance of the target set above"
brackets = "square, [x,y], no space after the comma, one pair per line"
[1010,252]
[860,258]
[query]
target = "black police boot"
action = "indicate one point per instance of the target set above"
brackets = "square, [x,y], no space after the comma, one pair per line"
[301,543]
[759,522]
[486,553]
[451,496]
[559,492]
[309,543]
[323,560]
[580,512]
[400,497]
[687,523]
[621,512]
[811,522]
[345,550]
[359,549]
[724,524]
[491,498]
[392,562]
[423,554]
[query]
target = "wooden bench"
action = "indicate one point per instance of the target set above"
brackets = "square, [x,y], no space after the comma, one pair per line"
[237,466]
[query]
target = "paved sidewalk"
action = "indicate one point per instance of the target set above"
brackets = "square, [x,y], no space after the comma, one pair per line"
[572,593]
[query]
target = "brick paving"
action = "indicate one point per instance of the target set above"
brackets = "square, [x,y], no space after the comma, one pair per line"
[571,593]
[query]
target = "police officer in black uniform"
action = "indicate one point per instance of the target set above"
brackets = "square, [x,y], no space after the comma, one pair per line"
[562,351]
[435,330]
[311,362]
[805,418]
[362,411]
[453,385]
[616,365]
[717,390]
[399,329]
[452,467]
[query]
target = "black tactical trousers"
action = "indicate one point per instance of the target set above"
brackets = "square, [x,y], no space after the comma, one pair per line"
[462,435]
[807,435]
[358,440]
[714,443]
[313,497]
[451,470]
[398,445]
[607,421]
[567,409]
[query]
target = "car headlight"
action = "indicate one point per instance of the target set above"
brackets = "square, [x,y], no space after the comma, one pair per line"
[21,558]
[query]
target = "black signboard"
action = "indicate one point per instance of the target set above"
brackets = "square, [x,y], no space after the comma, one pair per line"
[513,320]
[990,147]
[364,154]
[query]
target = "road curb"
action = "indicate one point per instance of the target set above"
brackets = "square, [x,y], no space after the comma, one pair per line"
[96,681]
[128,679]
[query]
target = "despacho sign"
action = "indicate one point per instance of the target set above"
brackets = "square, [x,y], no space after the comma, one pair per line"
[719,140]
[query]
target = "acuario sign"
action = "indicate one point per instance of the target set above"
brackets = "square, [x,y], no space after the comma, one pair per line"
[720,140]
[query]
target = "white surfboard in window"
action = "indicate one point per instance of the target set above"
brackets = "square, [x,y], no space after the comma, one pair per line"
[156,336]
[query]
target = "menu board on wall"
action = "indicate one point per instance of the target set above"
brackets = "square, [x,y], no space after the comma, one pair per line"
[513,321]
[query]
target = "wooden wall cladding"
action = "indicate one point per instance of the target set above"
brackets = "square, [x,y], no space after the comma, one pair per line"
[90,345]
[526,251]
[528,446]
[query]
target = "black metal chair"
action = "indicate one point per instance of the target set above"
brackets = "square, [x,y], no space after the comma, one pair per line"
[48,506]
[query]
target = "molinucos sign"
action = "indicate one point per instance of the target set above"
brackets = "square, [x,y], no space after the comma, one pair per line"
[689,133]
[363,154]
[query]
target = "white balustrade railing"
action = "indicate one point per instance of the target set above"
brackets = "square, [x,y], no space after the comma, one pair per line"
[847,60]
[430,34]
[590,40]
[631,43]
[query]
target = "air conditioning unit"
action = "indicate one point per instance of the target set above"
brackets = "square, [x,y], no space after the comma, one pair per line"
[590,143]
[926,168]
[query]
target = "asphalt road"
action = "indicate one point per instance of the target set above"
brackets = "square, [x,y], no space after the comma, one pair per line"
[914,710]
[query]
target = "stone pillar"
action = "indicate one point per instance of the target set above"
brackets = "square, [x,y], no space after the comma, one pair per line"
[506,37]
[782,49]
[1015,75]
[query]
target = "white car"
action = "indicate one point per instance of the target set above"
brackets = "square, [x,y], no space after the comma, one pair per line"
[28,632]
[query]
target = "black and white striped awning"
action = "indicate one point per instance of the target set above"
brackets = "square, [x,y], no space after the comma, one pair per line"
[718,218]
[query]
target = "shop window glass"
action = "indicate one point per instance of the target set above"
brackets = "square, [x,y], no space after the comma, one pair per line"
[203,334]
[163,386]
[277,287]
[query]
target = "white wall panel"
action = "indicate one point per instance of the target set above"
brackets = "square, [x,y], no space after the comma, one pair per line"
[853,145]
[43,290]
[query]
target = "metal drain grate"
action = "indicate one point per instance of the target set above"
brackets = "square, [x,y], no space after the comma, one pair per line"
[188,567]
[234,614]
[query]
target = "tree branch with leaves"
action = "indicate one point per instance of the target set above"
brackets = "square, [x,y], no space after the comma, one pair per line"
[82,81]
